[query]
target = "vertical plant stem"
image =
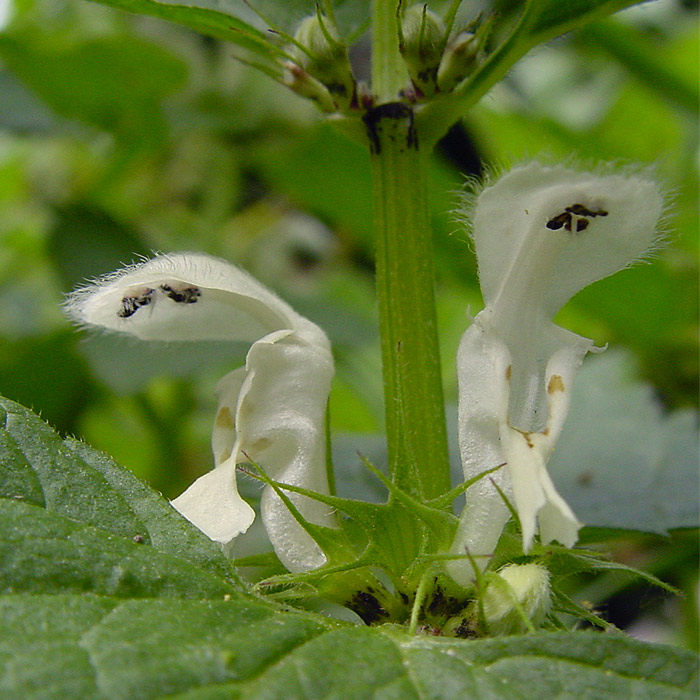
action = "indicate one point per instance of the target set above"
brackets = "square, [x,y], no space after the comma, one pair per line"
[417,443]
[414,406]
[389,73]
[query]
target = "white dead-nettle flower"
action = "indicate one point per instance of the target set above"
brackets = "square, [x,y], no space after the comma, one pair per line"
[272,410]
[541,235]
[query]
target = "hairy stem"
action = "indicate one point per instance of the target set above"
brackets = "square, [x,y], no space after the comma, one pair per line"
[389,73]
[417,443]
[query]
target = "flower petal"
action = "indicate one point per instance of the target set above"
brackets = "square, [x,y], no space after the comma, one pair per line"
[280,419]
[213,505]
[272,411]
[483,370]
[520,244]
[541,234]
[183,296]
[487,438]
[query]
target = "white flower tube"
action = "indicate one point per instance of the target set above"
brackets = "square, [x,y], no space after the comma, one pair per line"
[541,234]
[272,410]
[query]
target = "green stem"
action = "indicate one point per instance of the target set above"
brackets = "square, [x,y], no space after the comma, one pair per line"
[415,418]
[389,73]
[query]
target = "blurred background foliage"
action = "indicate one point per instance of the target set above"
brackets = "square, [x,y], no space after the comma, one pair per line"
[122,135]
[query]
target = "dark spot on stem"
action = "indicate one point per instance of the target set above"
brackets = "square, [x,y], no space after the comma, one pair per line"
[376,119]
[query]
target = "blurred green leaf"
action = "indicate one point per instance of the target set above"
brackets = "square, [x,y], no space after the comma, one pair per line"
[100,81]
[87,242]
[536,21]
[237,22]
[647,62]
[620,462]
[21,111]
[48,374]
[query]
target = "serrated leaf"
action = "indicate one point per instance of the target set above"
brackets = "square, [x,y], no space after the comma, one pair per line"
[75,481]
[144,650]
[85,647]
[43,552]
[89,613]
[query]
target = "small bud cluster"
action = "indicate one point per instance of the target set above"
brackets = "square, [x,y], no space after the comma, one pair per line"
[436,61]
[315,64]
[421,42]
[460,58]
[319,68]
[521,592]
[516,598]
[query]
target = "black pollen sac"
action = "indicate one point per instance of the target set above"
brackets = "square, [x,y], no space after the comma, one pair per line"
[182,295]
[131,303]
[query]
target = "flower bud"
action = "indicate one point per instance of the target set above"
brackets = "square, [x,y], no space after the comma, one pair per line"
[304,84]
[528,584]
[458,60]
[421,42]
[325,57]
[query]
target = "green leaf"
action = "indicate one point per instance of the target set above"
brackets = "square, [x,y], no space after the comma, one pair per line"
[87,612]
[22,112]
[620,462]
[76,482]
[647,61]
[69,646]
[549,18]
[47,373]
[539,21]
[99,81]
[44,552]
[241,25]
[85,241]
[203,20]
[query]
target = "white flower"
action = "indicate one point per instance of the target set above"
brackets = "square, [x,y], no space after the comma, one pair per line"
[272,410]
[541,235]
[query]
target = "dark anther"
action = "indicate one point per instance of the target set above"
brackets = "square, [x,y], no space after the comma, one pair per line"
[575,212]
[580,210]
[186,295]
[558,221]
[131,304]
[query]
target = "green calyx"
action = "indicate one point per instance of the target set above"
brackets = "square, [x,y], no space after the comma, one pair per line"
[421,41]
[319,52]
